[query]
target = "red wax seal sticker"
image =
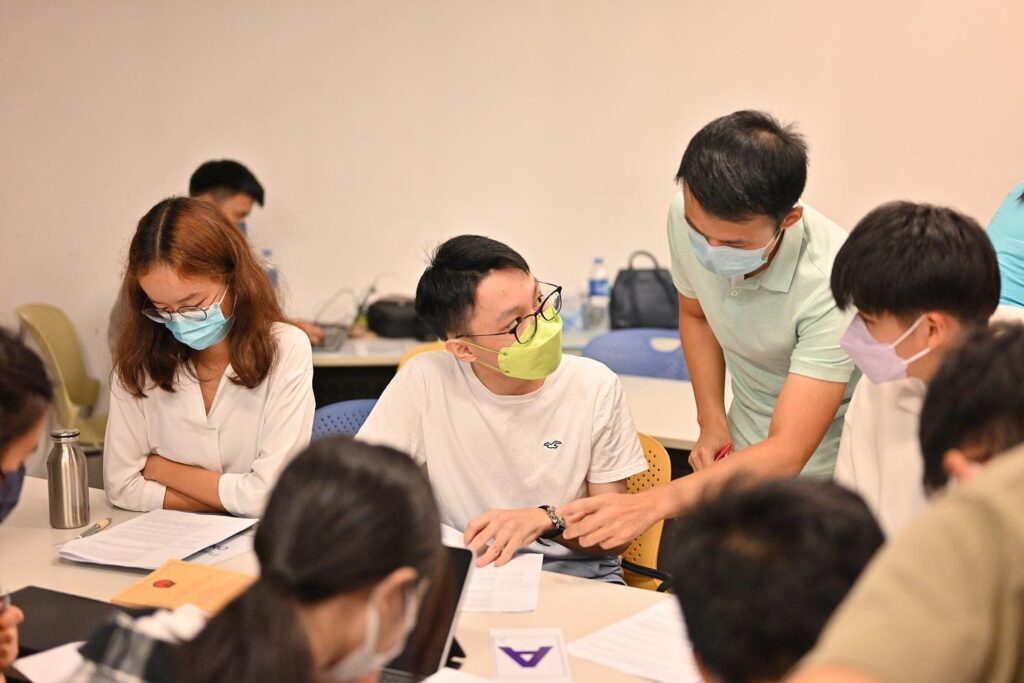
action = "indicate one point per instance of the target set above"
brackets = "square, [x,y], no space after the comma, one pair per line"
[163,583]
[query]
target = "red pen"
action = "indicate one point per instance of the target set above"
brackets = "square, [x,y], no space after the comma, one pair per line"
[726,450]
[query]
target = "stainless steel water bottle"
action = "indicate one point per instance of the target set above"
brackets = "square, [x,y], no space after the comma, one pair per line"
[68,480]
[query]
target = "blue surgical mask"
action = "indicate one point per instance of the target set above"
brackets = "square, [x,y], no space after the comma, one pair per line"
[10,491]
[730,262]
[201,334]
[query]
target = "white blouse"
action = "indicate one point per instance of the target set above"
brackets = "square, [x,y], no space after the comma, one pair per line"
[249,435]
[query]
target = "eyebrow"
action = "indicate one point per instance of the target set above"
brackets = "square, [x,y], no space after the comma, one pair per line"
[697,230]
[510,313]
[190,297]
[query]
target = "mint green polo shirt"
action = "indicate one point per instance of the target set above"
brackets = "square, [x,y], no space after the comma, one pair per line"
[781,321]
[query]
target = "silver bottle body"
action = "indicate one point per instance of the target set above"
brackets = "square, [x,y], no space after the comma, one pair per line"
[68,481]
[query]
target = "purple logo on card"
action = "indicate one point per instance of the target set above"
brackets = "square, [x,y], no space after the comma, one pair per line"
[527,659]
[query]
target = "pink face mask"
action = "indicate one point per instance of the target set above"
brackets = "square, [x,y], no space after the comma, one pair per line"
[878,361]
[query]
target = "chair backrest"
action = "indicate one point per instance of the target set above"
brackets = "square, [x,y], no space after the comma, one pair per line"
[343,417]
[645,352]
[644,549]
[62,352]
[417,350]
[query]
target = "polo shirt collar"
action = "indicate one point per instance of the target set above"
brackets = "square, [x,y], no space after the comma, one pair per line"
[778,277]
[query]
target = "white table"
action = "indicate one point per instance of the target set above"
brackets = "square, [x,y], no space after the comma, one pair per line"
[665,409]
[383,352]
[577,606]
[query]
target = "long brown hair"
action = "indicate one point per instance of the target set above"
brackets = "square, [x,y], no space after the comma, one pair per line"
[195,238]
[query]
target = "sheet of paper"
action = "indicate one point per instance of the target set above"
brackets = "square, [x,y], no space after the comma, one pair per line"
[651,644]
[149,540]
[513,587]
[447,675]
[225,550]
[530,654]
[452,537]
[51,666]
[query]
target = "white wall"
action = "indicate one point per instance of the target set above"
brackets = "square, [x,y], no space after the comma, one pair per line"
[379,128]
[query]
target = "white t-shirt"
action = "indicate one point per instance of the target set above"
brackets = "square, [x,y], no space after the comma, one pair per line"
[880,452]
[484,451]
[249,434]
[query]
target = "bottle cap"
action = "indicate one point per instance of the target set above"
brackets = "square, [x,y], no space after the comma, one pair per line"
[64,434]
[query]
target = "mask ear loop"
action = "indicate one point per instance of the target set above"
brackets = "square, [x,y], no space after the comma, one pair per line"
[903,337]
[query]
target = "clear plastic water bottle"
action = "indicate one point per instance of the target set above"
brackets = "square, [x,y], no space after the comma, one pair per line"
[268,265]
[67,481]
[598,297]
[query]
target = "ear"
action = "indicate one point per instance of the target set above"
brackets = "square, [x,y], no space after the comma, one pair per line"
[941,328]
[958,466]
[795,214]
[460,350]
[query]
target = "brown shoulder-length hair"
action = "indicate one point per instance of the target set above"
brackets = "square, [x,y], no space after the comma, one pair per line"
[195,238]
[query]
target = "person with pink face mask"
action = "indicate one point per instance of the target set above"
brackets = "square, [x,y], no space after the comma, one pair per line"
[920,277]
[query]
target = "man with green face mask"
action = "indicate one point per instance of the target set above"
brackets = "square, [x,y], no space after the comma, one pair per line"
[507,427]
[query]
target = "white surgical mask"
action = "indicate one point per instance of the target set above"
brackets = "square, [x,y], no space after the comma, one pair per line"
[365,659]
[731,262]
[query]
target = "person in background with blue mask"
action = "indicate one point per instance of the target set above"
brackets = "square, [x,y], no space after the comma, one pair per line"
[751,263]
[25,396]
[921,277]
[507,427]
[1006,230]
[211,393]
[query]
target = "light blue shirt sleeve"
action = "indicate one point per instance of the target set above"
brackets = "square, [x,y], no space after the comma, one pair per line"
[1006,230]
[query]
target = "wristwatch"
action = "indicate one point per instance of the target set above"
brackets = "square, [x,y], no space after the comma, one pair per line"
[557,522]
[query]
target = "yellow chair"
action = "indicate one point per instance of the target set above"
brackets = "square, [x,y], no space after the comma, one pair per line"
[417,350]
[76,391]
[643,551]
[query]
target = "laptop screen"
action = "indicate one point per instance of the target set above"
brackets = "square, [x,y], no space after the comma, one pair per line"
[431,640]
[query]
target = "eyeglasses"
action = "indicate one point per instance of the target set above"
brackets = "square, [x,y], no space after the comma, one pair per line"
[525,328]
[161,315]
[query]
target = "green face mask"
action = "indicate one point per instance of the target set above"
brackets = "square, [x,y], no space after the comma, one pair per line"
[535,359]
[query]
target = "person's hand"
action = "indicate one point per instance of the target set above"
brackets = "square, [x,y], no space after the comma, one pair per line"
[507,531]
[9,620]
[709,444]
[312,330]
[610,520]
[154,463]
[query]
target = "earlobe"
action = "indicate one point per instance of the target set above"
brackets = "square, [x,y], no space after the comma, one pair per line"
[958,466]
[460,350]
[792,217]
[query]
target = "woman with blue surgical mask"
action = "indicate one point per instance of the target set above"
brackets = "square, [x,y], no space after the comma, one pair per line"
[25,395]
[342,579]
[211,393]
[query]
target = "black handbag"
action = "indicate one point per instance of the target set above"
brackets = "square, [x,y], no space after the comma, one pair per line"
[396,317]
[644,297]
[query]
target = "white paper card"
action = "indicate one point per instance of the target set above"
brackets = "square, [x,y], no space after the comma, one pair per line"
[51,666]
[530,654]
[651,644]
[512,587]
[149,540]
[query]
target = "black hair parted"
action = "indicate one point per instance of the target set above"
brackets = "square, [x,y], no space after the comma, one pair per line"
[25,389]
[905,259]
[975,399]
[760,567]
[446,291]
[744,165]
[225,177]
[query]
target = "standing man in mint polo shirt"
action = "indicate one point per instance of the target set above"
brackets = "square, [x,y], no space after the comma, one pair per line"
[752,267]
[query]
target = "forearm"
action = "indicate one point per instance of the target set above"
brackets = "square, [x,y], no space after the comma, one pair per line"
[176,500]
[194,483]
[706,363]
[592,550]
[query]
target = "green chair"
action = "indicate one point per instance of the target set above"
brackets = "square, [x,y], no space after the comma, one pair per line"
[76,391]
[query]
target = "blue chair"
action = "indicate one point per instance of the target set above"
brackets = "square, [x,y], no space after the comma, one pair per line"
[343,417]
[642,351]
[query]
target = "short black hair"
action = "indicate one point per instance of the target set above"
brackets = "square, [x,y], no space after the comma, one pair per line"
[759,569]
[225,177]
[745,164]
[975,399]
[25,390]
[905,259]
[446,291]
